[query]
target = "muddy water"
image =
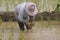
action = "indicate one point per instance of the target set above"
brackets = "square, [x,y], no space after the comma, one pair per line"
[35,34]
[45,34]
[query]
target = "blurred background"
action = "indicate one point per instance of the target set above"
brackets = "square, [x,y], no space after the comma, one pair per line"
[43,5]
[52,7]
[47,21]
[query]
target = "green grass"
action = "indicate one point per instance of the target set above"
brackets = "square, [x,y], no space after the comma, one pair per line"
[7,7]
[21,35]
[0,21]
[57,19]
[0,29]
[0,2]
[42,24]
[45,24]
[20,1]
[49,20]
[13,2]
[12,34]
[44,5]
[0,35]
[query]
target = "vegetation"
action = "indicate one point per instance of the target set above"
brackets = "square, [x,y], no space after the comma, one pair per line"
[12,34]
[44,17]
[13,2]
[42,24]
[46,5]
[0,35]
[0,2]
[7,7]
[21,35]
[0,21]
[0,29]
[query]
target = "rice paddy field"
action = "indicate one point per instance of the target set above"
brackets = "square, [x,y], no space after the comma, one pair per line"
[42,30]
[42,5]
